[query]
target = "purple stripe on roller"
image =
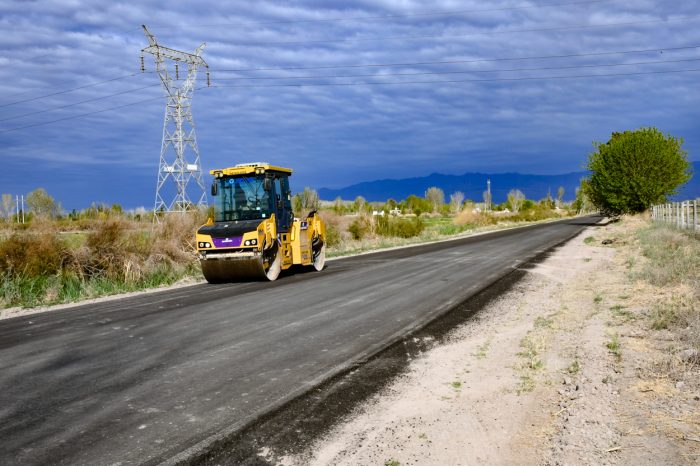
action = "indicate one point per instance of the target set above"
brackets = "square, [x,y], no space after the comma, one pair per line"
[232,242]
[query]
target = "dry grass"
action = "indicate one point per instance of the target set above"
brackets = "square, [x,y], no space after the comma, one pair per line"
[41,266]
[673,266]
[469,217]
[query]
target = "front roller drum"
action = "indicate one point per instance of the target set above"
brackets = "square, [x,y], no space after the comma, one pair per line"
[265,267]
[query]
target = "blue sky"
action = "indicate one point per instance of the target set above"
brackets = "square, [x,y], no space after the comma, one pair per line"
[455,87]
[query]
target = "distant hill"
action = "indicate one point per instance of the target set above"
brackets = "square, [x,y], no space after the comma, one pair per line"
[474,184]
[471,184]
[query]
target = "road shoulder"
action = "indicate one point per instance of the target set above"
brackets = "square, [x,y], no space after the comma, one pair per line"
[562,369]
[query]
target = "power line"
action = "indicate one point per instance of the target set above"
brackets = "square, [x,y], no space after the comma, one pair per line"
[368,65]
[440,36]
[384,17]
[79,103]
[436,73]
[533,78]
[604,65]
[370,83]
[68,90]
[452,62]
[80,115]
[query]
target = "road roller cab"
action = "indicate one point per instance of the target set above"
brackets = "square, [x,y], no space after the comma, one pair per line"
[254,234]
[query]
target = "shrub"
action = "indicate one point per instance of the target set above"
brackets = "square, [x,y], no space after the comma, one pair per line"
[399,227]
[32,254]
[332,234]
[469,217]
[360,227]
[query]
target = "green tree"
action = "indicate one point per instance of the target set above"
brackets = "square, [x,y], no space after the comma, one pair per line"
[42,205]
[417,205]
[635,170]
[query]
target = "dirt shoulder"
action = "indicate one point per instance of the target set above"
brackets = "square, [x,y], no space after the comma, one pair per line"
[563,369]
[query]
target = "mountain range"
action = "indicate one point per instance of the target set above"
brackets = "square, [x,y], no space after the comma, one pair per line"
[473,186]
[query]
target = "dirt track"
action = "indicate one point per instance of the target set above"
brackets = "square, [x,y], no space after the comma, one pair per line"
[558,371]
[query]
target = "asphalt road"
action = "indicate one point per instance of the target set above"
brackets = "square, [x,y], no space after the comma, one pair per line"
[146,378]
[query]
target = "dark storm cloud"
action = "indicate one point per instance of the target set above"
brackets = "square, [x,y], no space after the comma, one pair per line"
[338,135]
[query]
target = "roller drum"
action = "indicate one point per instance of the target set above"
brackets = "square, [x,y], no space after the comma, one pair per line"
[265,267]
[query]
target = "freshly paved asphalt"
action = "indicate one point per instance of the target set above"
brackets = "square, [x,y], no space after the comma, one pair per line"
[145,378]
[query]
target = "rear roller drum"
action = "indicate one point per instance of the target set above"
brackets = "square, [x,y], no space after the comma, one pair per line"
[272,262]
[319,255]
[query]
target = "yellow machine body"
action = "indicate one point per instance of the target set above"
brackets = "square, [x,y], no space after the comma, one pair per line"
[254,234]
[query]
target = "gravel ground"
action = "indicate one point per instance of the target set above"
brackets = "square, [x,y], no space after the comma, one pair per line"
[562,370]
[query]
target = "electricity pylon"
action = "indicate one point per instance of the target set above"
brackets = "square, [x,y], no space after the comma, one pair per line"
[176,134]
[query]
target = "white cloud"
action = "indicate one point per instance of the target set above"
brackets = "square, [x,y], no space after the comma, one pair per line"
[337,135]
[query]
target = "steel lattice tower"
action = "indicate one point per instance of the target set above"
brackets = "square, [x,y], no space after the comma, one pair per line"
[178,129]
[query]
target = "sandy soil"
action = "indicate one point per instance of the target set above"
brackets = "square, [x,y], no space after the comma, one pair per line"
[562,370]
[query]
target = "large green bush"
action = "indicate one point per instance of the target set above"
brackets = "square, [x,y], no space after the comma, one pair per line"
[635,170]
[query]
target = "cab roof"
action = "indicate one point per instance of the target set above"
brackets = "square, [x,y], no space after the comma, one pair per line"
[249,169]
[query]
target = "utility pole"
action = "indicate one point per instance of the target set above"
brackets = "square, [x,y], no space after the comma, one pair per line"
[17,206]
[488,190]
[178,129]
[22,209]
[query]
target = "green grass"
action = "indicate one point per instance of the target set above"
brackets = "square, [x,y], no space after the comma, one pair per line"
[456,385]
[26,291]
[482,350]
[622,313]
[574,367]
[392,462]
[589,240]
[598,299]
[543,322]
[531,352]
[451,229]
[526,385]
[614,347]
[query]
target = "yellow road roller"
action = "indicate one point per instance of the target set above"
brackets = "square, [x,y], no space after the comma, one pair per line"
[254,235]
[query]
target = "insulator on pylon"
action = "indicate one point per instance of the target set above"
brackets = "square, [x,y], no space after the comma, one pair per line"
[208,80]
[143,65]
[177,72]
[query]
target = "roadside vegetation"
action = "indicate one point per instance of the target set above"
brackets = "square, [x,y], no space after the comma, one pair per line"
[662,297]
[57,257]
[48,263]
[357,226]
[672,267]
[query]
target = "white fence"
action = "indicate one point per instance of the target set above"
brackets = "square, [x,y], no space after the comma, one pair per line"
[684,214]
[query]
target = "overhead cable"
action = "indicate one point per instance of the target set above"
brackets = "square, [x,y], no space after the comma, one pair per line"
[370,83]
